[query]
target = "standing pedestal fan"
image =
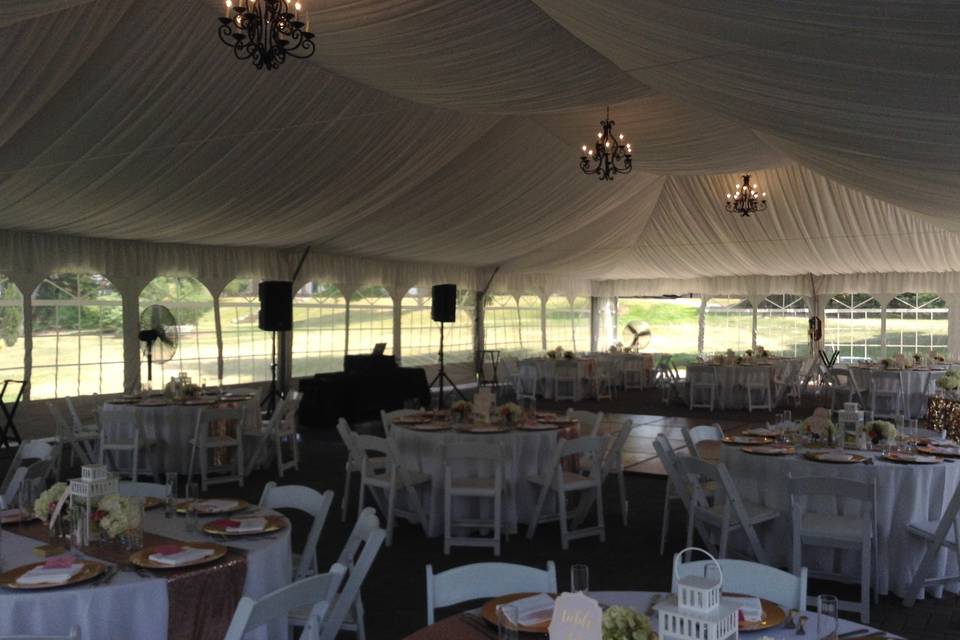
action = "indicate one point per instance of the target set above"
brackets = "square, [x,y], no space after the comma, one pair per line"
[636,335]
[159,336]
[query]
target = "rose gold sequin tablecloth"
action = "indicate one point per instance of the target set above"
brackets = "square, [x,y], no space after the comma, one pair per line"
[944,413]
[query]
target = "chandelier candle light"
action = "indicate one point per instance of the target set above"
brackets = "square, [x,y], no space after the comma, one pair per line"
[745,198]
[611,154]
[266,31]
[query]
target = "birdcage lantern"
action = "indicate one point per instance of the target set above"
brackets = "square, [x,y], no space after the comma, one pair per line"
[94,483]
[697,611]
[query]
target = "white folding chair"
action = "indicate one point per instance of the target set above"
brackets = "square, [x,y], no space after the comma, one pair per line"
[603,383]
[387,417]
[526,382]
[558,479]
[694,436]
[81,438]
[612,464]
[473,470]
[589,421]
[727,511]
[286,432]
[259,437]
[886,394]
[316,592]
[929,389]
[838,530]
[347,611]
[843,387]
[310,502]
[485,580]
[753,579]
[143,489]
[935,535]
[390,477]
[135,445]
[353,464]
[702,386]
[786,383]
[44,454]
[74,634]
[757,387]
[634,374]
[678,486]
[566,380]
[205,441]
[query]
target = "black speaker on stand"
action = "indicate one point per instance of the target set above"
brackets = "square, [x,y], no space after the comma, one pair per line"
[276,314]
[443,309]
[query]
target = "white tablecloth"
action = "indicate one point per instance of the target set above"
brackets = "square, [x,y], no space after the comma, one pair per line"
[586,366]
[904,492]
[529,453]
[732,380]
[171,426]
[130,606]
[914,383]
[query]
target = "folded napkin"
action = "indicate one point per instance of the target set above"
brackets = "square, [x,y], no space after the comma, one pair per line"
[173,555]
[533,609]
[245,525]
[750,608]
[214,506]
[54,575]
[64,561]
[10,515]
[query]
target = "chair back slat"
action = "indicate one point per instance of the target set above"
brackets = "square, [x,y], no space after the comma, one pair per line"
[309,501]
[485,580]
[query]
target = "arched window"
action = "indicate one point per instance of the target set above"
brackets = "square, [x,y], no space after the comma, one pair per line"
[853,326]
[531,331]
[916,323]
[319,329]
[11,332]
[727,324]
[77,336]
[192,306]
[782,325]
[420,336]
[674,324]
[568,325]
[371,320]
[246,349]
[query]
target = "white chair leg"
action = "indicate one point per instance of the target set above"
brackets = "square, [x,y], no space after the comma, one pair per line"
[346,493]
[601,521]
[135,469]
[391,501]
[562,510]
[534,521]
[447,518]
[865,556]
[497,506]
[193,456]
[624,505]
[665,525]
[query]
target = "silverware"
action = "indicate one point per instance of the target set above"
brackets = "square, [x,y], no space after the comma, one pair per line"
[107,575]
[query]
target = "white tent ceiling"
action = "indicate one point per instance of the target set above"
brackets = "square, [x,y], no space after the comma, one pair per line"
[446,132]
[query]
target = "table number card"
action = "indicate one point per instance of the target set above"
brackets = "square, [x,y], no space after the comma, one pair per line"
[576,617]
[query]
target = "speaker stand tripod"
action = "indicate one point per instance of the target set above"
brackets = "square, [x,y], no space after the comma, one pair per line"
[442,375]
[269,402]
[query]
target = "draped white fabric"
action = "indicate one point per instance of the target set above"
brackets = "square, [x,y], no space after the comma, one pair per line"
[433,141]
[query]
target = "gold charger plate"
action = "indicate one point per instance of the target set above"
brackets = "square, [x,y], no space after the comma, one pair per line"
[142,559]
[817,456]
[412,420]
[240,506]
[124,401]
[154,403]
[151,502]
[489,612]
[200,402]
[908,458]
[770,451]
[91,569]
[274,523]
[759,433]
[741,440]
[947,452]
[424,426]
[487,429]
[773,615]
[539,426]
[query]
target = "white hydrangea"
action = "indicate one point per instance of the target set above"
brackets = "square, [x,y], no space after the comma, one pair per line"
[118,515]
[624,623]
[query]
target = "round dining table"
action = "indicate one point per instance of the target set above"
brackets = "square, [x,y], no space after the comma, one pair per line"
[732,378]
[463,629]
[527,452]
[914,383]
[905,492]
[154,605]
[169,423]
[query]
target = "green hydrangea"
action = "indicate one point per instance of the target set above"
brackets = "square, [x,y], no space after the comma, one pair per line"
[624,623]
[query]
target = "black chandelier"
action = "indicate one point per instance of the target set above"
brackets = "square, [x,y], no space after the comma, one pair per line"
[610,155]
[266,31]
[745,198]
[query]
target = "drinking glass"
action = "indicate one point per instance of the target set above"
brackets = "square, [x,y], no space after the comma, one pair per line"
[26,496]
[579,578]
[192,495]
[170,506]
[508,617]
[787,416]
[827,617]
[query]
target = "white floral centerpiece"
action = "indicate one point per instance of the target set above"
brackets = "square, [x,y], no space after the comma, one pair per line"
[462,408]
[116,515]
[949,383]
[511,413]
[820,427]
[936,356]
[624,623]
[44,506]
[878,431]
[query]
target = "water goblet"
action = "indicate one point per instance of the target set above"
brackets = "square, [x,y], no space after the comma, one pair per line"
[508,618]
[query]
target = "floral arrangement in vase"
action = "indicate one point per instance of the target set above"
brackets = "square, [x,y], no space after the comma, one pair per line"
[950,382]
[624,623]
[568,355]
[761,352]
[936,356]
[820,427]
[616,348]
[879,430]
[748,353]
[552,355]
[887,363]
[116,515]
[44,506]
[462,408]
[511,413]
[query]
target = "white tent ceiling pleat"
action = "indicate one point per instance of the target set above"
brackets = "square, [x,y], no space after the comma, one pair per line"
[432,140]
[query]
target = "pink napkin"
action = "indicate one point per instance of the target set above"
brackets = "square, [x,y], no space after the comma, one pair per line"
[59,562]
[226,522]
[167,549]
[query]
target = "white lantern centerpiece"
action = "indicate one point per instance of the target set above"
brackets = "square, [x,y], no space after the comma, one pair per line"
[94,483]
[697,611]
